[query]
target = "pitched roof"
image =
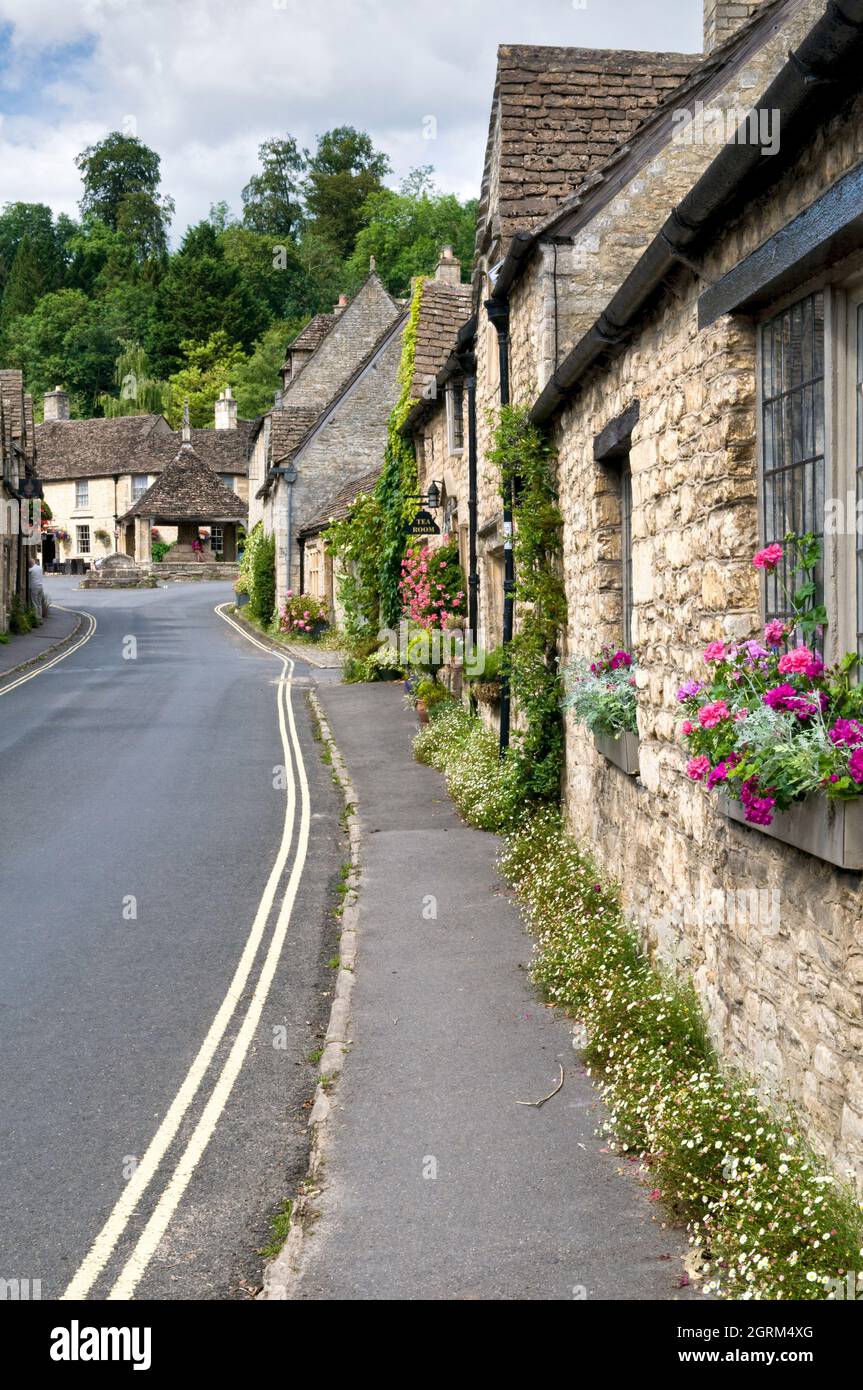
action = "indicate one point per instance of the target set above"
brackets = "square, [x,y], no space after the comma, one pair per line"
[313,334]
[562,112]
[188,490]
[342,502]
[98,448]
[444,307]
[133,444]
[288,427]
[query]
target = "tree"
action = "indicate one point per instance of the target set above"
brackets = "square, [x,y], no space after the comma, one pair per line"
[121,187]
[405,232]
[202,293]
[68,338]
[272,200]
[33,222]
[255,381]
[25,283]
[139,393]
[208,367]
[342,174]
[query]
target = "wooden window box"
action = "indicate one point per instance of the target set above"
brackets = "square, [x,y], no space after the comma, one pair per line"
[830,830]
[622,751]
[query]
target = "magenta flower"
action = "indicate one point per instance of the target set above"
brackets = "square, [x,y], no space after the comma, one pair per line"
[775,633]
[688,726]
[855,764]
[847,732]
[697,768]
[718,774]
[714,651]
[768,558]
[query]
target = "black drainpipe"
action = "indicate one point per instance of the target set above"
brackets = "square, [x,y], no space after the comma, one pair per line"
[467,364]
[498,313]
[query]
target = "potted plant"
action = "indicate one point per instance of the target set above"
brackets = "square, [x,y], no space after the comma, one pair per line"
[777,734]
[304,616]
[601,694]
[485,685]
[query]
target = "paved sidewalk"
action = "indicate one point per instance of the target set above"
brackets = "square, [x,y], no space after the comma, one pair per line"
[448,1035]
[21,651]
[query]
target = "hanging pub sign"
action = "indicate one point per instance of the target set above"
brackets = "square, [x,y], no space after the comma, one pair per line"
[423,524]
[29,489]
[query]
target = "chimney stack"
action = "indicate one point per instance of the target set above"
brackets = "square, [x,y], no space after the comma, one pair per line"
[448,267]
[56,404]
[226,411]
[722,18]
[342,304]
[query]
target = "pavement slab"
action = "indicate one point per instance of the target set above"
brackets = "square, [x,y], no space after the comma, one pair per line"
[438,1185]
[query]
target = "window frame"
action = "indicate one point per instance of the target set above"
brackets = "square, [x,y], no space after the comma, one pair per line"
[454,398]
[138,493]
[80,528]
[81,506]
[627,607]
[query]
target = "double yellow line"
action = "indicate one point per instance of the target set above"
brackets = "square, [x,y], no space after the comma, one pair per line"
[106,1241]
[46,665]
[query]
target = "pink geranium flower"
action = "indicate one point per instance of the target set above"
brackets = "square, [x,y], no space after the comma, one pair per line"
[768,558]
[855,764]
[796,662]
[775,633]
[711,715]
[714,651]
[697,768]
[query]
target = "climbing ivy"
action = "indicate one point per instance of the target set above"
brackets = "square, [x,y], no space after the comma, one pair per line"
[526,460]
[370,543]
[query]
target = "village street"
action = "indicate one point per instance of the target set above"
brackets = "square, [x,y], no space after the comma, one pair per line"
[140,825]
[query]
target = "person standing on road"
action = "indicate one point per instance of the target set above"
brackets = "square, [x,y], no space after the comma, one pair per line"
[37,589]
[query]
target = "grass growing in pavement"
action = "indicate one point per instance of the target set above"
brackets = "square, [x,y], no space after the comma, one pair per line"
[280,1225]
[768,1217]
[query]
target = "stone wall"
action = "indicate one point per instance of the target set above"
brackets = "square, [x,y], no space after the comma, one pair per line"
[350,340]
[783,993]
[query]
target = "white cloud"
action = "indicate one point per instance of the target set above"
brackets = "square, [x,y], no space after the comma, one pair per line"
[208,80]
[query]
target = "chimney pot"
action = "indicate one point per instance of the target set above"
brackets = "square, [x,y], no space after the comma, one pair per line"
[448,267]
[226,411]
[56,404]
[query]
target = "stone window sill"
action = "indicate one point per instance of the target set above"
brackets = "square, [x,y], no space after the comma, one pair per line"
[622,751]
[829,830]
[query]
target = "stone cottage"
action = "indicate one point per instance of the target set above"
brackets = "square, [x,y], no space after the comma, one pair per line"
[329,424]
[19,521]
[94,470]
[634,306]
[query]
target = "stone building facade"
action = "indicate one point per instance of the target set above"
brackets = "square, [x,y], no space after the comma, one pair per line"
[632,330]
[93,471]
[329,424]
[19,522]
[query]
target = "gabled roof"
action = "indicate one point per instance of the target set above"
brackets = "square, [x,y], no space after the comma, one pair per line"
[342,503]
[313,334]
[556,114]
[293,426]
[444,307]
[188,490]
[288,428]
[98,448]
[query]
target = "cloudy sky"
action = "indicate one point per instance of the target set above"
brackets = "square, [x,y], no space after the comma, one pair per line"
[204,82]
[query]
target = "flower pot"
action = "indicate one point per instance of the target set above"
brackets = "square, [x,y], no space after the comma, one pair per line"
[622,751]
[829,830]
[422,712]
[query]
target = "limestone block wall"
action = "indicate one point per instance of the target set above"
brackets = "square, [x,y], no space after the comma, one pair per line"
[783,991]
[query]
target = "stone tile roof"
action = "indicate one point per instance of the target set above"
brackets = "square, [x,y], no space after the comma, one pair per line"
[16,415]
[98,448]
[132,444]
[341,503]
[313,334]
[288,428]
[443,309]
[562,112]
[188,490]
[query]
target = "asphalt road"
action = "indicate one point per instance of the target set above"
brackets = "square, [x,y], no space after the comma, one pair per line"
[139,825]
